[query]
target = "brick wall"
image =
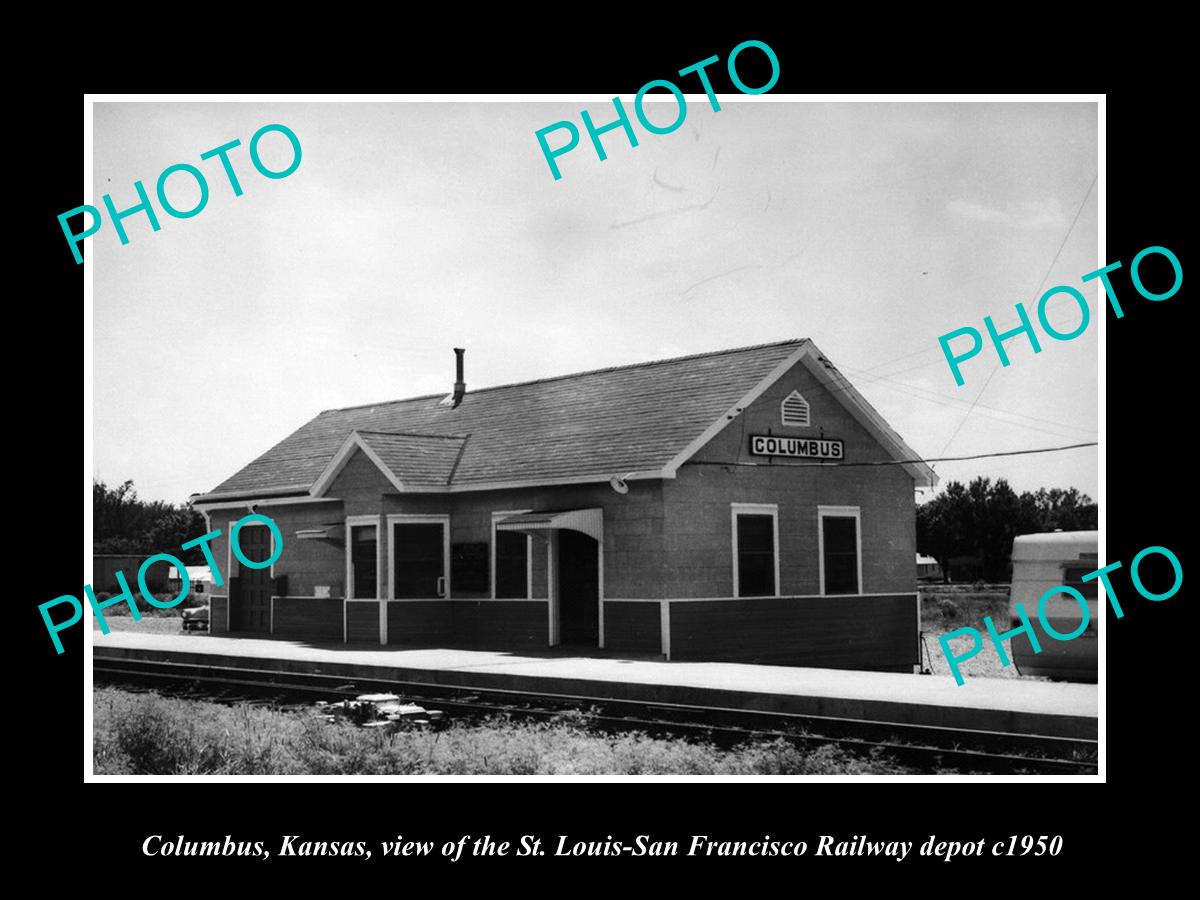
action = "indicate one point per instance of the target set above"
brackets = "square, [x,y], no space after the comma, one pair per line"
[307,563]
[633,525]
[698,525]
[669,539]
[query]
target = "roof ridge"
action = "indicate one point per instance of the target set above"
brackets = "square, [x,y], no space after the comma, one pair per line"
[639,365]
[448,437]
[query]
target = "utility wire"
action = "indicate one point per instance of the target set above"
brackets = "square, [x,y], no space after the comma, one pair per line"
[836,391]
[1003,326]
[892,462]
[932,396]
[1041,284]
[895,359]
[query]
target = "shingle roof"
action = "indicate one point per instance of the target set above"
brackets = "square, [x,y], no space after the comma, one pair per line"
[418,460]
[599,423]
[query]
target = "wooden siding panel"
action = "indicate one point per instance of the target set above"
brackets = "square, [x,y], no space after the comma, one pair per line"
[419,622]
[861,632]
[218,610]
[307,618]
[635,627]
[362,623]
[502,623]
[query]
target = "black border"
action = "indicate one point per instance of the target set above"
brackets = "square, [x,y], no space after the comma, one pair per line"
[1145,493]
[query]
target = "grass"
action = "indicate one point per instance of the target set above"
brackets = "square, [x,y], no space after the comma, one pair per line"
[154,619]
[149,734]
[945,608]
[155,625]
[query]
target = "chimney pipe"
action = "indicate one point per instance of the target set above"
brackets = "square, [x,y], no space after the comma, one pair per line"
[460,387]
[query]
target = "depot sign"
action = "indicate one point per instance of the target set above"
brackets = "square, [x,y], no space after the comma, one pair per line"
[803,448]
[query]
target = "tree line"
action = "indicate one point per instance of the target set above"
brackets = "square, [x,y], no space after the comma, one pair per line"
[969,530]
[124,523]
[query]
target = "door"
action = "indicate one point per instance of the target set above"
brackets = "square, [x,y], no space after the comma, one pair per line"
[252,611]
[578,588]
[419,558]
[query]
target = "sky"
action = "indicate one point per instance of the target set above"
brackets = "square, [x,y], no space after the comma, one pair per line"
[409,229]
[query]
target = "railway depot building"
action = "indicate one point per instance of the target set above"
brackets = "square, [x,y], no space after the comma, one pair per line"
[741,505]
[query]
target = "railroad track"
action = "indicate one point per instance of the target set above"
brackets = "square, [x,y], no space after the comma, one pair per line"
[922,746]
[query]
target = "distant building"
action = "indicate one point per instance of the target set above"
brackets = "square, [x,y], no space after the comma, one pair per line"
[965,568]
[200,580]
[928,568]
[106,565]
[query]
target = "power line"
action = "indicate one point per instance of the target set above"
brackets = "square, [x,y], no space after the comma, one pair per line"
[1066,236]
[1041,284]
[1047,275]
[1004,326]
[836,390]
[896,462]
[947,400]
[971,408]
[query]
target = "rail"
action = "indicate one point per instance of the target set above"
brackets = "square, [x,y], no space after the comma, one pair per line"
[925,746]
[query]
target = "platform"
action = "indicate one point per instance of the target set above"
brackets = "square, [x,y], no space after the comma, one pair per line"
[994,704]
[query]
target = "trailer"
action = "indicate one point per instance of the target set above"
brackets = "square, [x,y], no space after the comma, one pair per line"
[1042,562]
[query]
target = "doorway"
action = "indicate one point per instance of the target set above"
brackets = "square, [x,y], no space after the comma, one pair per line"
[252,611]
[578,588]
[418,562]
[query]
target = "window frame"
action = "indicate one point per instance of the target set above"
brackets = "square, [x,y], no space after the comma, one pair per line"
[353,522]
[497,515]
[754,509]
[839,512]
[407,519]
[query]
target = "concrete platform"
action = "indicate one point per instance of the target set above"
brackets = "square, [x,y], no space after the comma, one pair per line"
[993,704]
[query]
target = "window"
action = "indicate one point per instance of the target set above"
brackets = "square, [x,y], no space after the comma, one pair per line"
[1073,577]
[794,410]
[755,561]
[512,565]
[510,561]
[840,549]
[363,577]
[420,557]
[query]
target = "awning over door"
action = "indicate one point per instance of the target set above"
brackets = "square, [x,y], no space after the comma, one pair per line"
[589,521]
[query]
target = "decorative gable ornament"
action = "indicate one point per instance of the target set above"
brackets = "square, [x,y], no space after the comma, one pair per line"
[794,410]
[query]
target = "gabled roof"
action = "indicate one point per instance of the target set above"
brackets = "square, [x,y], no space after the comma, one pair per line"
[409,461]
[638,421]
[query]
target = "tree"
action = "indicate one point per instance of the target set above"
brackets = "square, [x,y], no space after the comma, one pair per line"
[971,529]
[121,523]
[1069,510]
[938,526]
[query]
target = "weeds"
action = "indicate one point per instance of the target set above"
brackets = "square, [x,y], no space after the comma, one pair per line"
[146,734]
